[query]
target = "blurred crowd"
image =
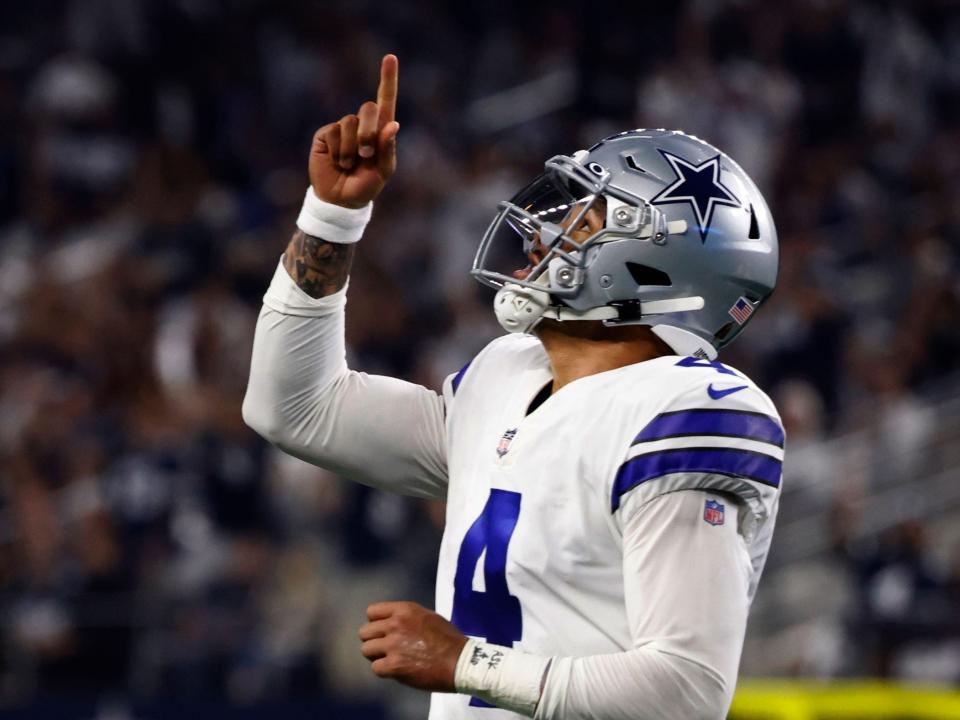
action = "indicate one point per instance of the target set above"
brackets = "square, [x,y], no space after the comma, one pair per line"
[152,161]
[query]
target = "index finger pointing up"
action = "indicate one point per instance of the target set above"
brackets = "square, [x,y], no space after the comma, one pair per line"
[387,92]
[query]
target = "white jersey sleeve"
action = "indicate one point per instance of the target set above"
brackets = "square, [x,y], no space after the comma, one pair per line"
[302,397]
[685,590]
[715,430]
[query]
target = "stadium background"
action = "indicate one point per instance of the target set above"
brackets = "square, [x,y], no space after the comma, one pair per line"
[156,557]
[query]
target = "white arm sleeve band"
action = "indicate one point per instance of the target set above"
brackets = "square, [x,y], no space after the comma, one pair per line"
[686,590]
[301,396]
[331,222]
[504,677]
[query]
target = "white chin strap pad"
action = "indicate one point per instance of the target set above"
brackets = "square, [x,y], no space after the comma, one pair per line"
[519,309]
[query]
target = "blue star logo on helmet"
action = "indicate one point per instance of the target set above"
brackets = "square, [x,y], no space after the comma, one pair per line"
[698,185]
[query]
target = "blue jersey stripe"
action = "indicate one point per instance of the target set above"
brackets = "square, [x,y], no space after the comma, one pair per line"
[727,423]
[455,383]
[721,461]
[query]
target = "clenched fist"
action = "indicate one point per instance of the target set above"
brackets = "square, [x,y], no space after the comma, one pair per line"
[351,160]
[412,645]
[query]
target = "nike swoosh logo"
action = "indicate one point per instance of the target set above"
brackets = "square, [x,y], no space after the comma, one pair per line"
[723,392]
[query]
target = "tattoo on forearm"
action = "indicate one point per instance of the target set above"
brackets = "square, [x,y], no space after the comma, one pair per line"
[318,267]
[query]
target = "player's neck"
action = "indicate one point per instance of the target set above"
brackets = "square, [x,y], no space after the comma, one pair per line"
[579,349]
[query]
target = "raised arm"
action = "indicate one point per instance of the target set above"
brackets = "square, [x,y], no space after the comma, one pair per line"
[350,162]
[301,396]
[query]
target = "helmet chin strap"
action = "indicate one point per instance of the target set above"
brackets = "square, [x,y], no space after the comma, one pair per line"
[519,309]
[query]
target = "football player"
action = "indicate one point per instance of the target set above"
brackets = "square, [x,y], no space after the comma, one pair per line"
[610,487]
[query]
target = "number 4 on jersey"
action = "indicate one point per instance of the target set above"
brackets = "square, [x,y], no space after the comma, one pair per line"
[699,363]
[493,615]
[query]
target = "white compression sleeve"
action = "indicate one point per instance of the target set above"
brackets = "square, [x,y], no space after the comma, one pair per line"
[301,396]
[686,589]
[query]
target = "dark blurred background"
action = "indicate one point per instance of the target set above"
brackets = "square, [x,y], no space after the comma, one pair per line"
[157,557]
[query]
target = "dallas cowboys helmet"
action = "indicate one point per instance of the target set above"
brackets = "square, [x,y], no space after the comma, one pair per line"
[688,246]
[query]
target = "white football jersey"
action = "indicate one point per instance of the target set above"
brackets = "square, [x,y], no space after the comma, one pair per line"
[531,554]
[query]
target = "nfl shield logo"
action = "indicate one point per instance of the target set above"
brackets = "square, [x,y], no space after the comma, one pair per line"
[713,512]
[504,445]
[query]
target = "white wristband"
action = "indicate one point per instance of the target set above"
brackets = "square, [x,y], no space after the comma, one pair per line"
[330,222]
[502,676]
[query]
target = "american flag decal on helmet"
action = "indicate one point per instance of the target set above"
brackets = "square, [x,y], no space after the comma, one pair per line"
[741,310]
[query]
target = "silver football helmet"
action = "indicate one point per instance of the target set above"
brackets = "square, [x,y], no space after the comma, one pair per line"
[648,227]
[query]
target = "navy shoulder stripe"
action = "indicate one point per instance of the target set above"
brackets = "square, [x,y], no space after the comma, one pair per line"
[732,462]
[455,383]
[725,423]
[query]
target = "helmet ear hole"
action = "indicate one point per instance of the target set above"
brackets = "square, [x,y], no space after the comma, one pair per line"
[646,275]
